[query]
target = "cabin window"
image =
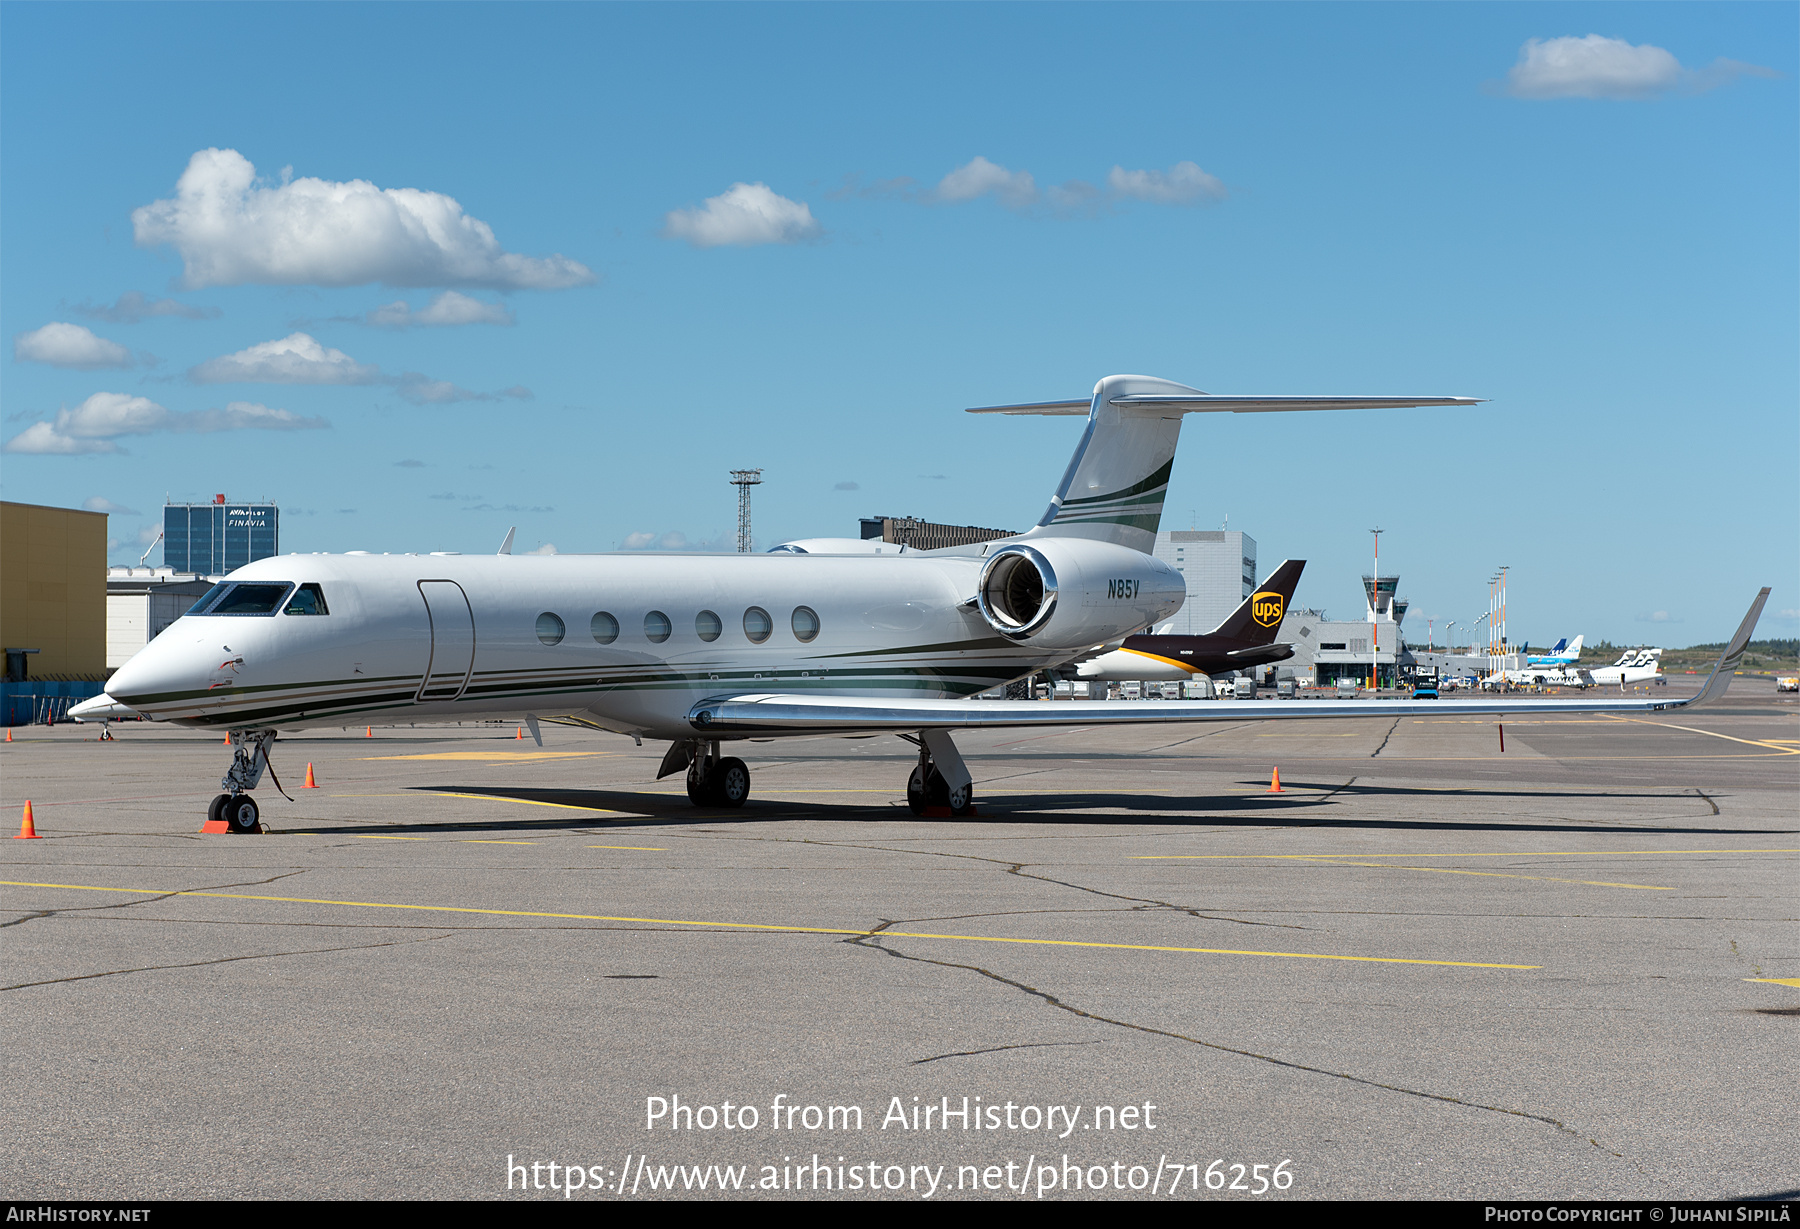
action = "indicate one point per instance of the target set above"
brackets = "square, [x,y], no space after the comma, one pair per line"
[307,600]
[708,626]
[251,600]
[806,624]
[550,628]
[604,627]
[657,627]
[757,624]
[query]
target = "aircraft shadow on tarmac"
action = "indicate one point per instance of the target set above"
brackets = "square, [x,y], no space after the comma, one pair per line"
[1086,809]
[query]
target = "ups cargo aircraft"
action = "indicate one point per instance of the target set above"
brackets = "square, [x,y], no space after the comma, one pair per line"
[1245,640]
[706,650]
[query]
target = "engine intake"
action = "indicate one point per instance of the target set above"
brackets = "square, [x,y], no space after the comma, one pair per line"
[1017,593]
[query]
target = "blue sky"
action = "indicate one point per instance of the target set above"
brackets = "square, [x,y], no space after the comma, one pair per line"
[639,246]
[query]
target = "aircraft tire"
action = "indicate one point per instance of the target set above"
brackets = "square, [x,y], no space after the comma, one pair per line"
[924,791]
[731,782]
[215,810]
[960,801]
[242,813]
[702,788]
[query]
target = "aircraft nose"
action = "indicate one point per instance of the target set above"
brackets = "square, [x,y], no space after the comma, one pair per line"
[159,668]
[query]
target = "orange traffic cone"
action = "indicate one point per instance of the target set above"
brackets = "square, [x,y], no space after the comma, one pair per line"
[1275,782]
[27,829]
[520,735]
[9,736]
[369,733]
[228,740]
[310,783]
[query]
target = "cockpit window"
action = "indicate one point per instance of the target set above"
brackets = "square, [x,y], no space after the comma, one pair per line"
[208,598]
[308,600]
[251,600]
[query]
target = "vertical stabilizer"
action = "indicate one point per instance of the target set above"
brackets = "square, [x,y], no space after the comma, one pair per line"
[1113,489]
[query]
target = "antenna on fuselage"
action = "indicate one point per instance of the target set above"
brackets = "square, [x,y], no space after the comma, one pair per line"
[506,546]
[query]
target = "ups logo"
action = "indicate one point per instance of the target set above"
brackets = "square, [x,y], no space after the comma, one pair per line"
[1266,608]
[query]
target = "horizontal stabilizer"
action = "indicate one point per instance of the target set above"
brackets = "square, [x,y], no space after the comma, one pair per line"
[1207,404]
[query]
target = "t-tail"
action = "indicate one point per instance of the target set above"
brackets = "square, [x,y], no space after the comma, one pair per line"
[1114,487]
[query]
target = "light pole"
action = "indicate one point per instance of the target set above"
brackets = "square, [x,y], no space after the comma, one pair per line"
[1375,617]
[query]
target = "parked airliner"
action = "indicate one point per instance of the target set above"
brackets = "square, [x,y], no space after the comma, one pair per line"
[704,650]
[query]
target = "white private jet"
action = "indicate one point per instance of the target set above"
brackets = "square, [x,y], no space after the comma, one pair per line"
[703,650]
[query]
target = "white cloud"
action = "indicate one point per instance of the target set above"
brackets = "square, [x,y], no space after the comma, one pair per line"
[548,548]
[421,389]
[1182,184]
[69,345]
[133,307]
[744,215]
[978,177]
[1600,67]
[449,308]
[97,504]
[93,426]
[230,231]
[1658,616]
[295,359]
[637,541]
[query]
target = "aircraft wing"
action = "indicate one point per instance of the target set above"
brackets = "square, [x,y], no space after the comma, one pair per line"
[773,713]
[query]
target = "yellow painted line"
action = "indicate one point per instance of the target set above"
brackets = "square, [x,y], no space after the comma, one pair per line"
[530,802]
[495,756]
[811,930]
[1748,742]
[1524,853]
[639,848]
[1779,981]
[1445,870]
[1303,734]
[1503,718]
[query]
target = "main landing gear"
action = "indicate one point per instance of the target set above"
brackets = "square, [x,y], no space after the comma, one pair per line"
[712,781]
[940,784]
[235,811]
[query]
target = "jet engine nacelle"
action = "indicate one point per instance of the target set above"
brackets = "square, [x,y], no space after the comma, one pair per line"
[1070,593]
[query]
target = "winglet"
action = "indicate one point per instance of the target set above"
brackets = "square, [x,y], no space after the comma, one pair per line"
[1730,659]
[506,546]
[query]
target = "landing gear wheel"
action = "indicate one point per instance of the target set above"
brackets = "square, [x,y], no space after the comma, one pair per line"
[701,784]
[242,813]
[925,789]
[215,810]
[961,801]
[730,782]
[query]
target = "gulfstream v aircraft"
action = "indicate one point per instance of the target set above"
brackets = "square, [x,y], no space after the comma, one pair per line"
[706,650]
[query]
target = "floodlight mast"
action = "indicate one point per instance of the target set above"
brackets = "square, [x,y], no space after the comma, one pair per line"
[743,480]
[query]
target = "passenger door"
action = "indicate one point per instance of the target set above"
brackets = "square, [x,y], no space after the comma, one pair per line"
[452,658]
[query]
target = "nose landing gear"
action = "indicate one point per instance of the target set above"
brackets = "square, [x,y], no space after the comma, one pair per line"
[235,811]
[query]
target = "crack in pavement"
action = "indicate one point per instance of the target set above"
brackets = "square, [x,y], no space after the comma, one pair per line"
[868,941]
[1027,1045]
[1384,739]
[1018,869]
[1709,802]
[196,964]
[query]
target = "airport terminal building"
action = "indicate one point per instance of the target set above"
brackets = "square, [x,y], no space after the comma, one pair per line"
[219,537]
